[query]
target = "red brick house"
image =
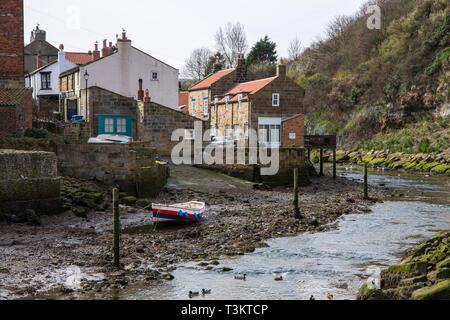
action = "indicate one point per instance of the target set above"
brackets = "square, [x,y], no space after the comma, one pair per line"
[11,44]
[16,111]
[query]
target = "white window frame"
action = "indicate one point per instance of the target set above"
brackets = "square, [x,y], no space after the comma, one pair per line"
[275,99]
[240,96]
[216,101]
[157,76]
[121,125]
[205,106]
[193,107]
[227,98]
[108,125]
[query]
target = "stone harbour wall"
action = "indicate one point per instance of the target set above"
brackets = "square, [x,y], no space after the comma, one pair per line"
[289,159]
[132,167]
[29,180]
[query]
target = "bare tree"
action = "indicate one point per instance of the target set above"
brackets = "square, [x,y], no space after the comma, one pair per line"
[196,64]
[230,41]
[295,49]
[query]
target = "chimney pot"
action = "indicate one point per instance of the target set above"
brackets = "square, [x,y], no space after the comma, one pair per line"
[140,93]
[147,96]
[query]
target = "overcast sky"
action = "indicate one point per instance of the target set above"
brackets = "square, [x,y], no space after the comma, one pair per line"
[171,29]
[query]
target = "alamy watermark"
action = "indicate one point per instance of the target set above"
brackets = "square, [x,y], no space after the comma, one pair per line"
[374,21]
[192,149]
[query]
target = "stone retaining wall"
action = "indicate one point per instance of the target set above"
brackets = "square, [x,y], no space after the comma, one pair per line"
[130,166]
[29,180]
[289,159]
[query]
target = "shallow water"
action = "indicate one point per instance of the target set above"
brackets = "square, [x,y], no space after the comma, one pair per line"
[337,262]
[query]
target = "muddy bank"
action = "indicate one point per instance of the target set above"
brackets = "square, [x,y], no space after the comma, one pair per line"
[423,274]
[70,256]
[420,162]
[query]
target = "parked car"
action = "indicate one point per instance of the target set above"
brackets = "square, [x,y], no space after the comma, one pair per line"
[223,142]
[110,138]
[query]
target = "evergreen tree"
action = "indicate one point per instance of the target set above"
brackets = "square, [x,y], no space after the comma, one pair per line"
[263,51]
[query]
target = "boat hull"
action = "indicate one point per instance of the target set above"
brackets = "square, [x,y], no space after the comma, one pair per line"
[162,213]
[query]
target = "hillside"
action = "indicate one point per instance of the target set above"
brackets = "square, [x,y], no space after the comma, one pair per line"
[366,86]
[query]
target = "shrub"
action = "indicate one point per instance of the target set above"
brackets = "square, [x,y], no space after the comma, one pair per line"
[442,56]
[424,146]
[356,93]
[37,133]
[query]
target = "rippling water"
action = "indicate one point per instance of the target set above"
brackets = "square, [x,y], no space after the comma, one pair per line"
[337,261]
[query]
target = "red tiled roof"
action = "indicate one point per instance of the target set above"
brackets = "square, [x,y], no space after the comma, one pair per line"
[247,88]
[79,57]
[183,99]
[207,82]
[14,96]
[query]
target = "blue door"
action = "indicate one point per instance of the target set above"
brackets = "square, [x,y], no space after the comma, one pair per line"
[115,124]
[72,109]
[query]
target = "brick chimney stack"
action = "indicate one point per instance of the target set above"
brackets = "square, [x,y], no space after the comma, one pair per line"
[241,68]
[217,66]
[96,52]
[107,50]
[124,44]
[140,93]
[39,62]
[281,69]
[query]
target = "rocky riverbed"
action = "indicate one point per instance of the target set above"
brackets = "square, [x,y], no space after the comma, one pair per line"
[423,274]
[70,255]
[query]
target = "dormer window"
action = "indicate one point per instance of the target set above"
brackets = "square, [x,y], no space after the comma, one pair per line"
[275,100]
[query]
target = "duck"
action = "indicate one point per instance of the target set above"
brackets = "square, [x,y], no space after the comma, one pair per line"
[330,296]
[205,292]
[279,277]
[312,298]
[193,294]
[240,277]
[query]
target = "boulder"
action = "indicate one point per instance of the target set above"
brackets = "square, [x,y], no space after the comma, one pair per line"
[128,201]
[439,291]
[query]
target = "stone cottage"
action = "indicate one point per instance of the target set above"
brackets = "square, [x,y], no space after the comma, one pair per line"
[234,105]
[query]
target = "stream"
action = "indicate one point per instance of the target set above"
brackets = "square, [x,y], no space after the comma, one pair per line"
[337,261]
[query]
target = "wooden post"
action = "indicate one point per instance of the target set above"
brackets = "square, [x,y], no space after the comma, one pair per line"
[321,162]
[297,213]
[116,228]
[334,163]
[366,195]
[296,209]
